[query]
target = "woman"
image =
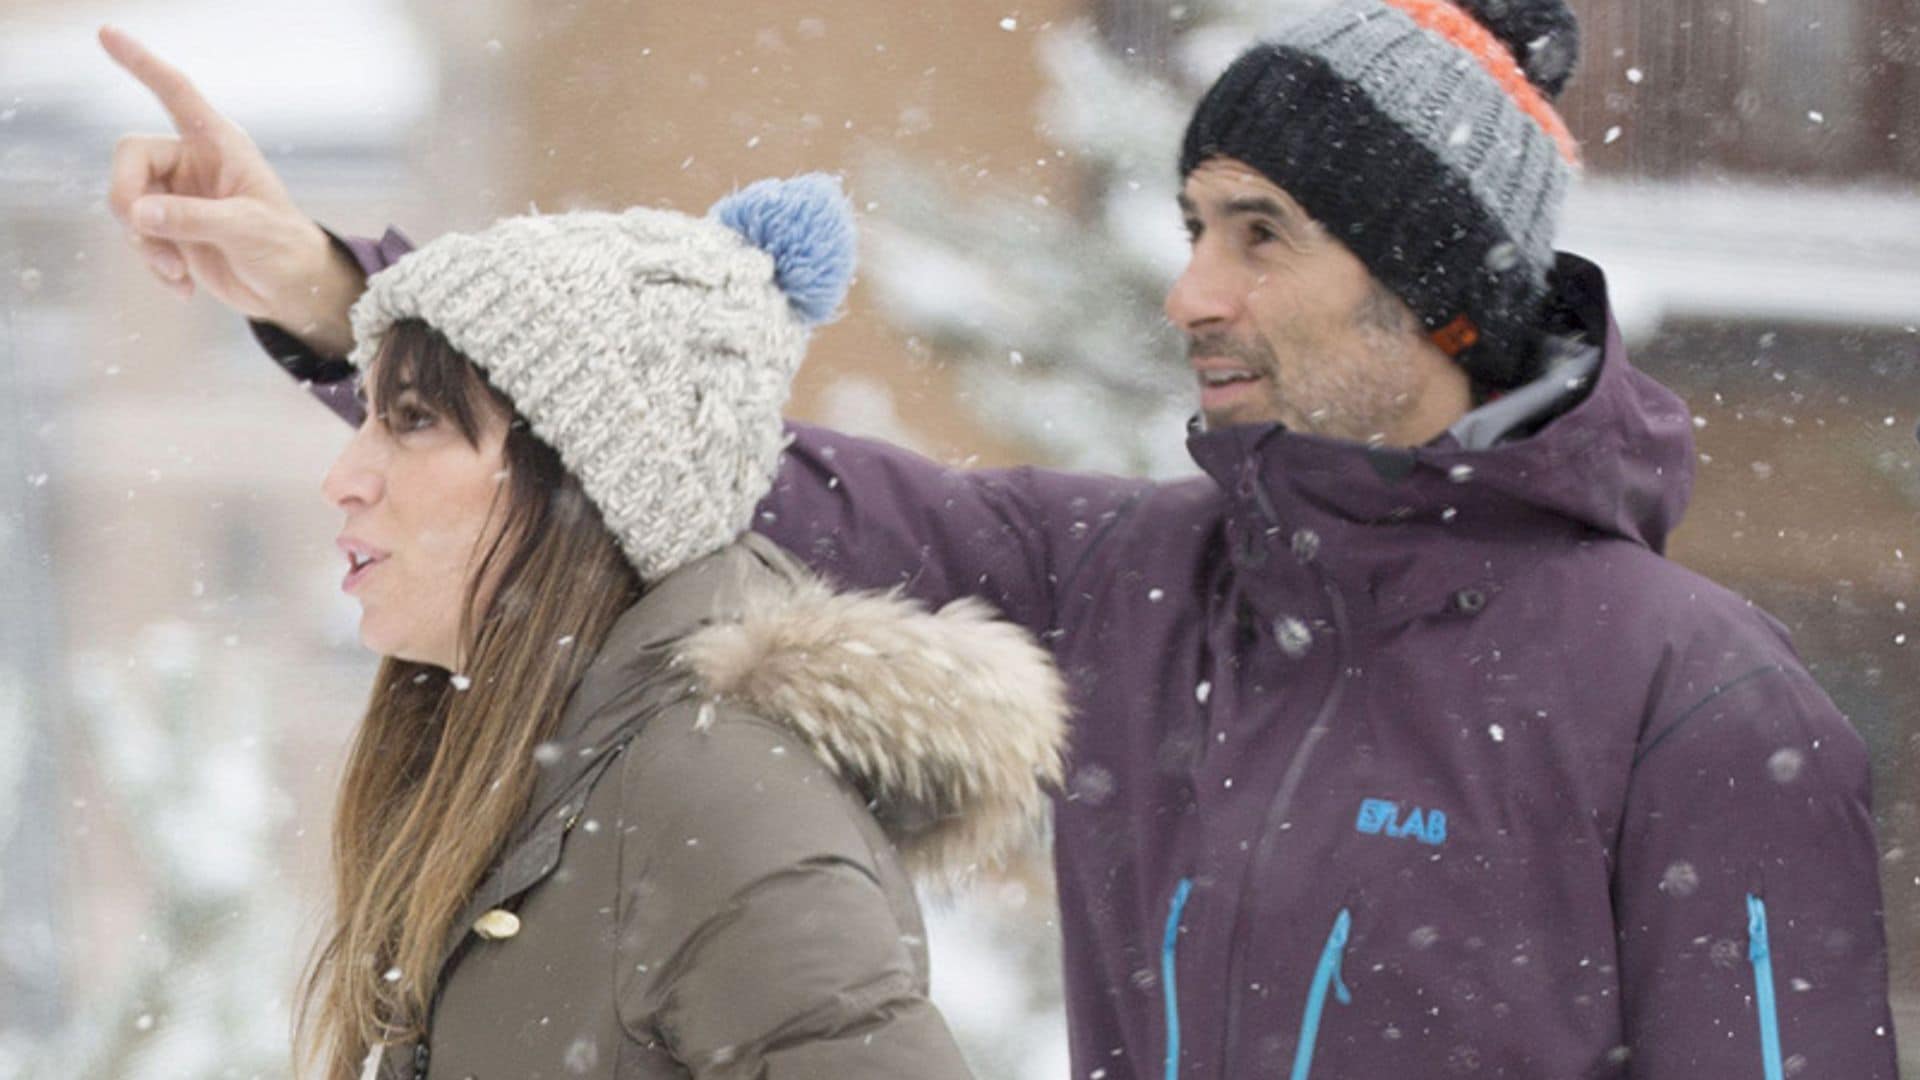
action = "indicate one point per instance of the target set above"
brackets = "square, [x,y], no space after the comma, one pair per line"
[633,796]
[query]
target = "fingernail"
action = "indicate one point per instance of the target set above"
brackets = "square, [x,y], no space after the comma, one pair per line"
[168,264]
[148,214]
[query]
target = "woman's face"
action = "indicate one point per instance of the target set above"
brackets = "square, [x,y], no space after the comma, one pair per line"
[419,499]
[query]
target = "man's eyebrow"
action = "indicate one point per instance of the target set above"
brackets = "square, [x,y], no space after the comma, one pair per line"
[1239,205]
[1257,204]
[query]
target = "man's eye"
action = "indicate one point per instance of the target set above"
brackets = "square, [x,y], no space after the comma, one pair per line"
[1193,231]
[1260,232]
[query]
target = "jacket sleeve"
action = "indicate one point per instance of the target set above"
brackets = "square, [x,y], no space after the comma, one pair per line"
[756,937]
[868,514]
[1747,891]
[871,515]
[330,378]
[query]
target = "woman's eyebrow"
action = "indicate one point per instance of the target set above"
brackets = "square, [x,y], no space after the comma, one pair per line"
[360,387]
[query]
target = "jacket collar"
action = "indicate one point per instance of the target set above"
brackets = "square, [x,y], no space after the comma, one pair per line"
[635,667]
[1401,531]
[949,722]
[631,675]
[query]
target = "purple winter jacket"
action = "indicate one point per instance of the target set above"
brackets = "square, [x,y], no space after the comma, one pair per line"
[1405,763]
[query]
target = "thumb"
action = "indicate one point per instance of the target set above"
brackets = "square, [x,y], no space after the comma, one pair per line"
[184,218]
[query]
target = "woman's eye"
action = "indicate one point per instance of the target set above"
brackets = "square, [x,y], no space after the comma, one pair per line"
[409,417]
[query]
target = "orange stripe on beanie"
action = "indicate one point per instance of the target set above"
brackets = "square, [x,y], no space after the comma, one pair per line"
[1443,18]
[1422,134]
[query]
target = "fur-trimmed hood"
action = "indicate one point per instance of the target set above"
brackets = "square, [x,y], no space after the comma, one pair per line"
[755,767]
[949,722]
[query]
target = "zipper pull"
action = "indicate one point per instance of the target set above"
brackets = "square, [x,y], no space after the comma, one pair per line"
[1169,945]
[1337,945]
[1326,973]
[1764,1003]
[1757,948]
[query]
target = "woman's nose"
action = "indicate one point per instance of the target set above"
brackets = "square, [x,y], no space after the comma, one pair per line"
[355,476]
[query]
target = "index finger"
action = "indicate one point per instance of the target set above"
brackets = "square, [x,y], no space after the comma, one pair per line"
[191,113]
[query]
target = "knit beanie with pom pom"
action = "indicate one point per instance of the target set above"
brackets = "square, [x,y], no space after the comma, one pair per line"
[652,350]
[1422,134]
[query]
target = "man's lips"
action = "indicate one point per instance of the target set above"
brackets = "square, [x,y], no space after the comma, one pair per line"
[361,559]
[1225,376]
[1225,383]
[1229,371]
[1218,360]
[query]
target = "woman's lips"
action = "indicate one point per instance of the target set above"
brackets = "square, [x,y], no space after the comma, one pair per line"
[356,574]
[361,559]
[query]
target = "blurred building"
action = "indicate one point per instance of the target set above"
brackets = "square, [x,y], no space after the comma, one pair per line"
[187,665]
[1755,193]
[1753,169]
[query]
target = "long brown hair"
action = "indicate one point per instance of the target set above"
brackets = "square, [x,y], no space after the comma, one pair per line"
[442,769]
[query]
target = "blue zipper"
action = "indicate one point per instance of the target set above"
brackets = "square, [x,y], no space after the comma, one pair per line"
[1326,974]
[1167,944]
[1762,957]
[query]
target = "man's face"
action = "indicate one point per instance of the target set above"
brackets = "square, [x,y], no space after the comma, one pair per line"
[1283,323]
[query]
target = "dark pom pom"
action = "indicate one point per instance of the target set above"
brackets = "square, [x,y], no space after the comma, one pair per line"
[1543,34]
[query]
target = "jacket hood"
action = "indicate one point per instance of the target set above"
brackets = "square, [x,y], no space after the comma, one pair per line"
[948,722]
[1618,462]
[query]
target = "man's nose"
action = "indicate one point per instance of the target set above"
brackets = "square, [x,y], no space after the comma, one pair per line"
[1203,295]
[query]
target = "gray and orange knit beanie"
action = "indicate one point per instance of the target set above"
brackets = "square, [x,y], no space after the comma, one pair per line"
[1423,135]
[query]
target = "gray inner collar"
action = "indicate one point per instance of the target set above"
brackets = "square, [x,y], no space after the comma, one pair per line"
[1519,413]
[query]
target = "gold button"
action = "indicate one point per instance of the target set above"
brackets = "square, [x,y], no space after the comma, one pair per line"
[497,925]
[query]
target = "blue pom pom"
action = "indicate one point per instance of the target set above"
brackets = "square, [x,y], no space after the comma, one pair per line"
[806,224]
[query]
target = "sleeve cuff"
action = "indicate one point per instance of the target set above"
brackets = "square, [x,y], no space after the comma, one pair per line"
[330,378]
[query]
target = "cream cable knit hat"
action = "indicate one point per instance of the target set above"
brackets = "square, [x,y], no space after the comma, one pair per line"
[652,350]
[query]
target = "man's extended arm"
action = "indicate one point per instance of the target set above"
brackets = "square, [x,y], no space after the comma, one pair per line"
[206,209]
[327,375]
[872,515]
[866,513]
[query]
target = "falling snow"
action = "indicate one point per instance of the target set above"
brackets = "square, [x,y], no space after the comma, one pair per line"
[1090,429]
[1680,880]
[1785,764]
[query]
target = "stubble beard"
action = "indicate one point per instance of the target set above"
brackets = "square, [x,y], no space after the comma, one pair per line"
[1259,358]
[1361,397]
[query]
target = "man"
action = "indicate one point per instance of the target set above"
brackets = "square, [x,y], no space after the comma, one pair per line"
[1400,750]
